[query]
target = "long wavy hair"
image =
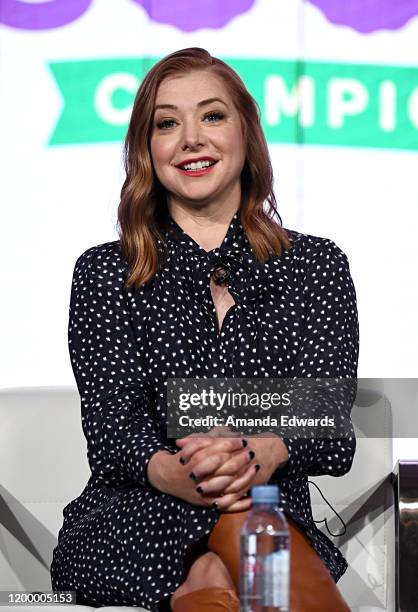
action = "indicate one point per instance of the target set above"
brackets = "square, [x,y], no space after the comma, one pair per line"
[143,206]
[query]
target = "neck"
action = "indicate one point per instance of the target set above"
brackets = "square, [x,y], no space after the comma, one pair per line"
[207,227]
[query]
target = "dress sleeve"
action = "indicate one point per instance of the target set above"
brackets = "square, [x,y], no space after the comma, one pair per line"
[328,348]
[116,400]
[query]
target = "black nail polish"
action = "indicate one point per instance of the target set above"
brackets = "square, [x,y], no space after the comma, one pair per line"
[199,490]
[244,443]
[192,476]
[182,461]
[257,467]
[252,454]
[214,505]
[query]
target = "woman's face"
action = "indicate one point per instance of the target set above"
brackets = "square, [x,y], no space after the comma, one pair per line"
[189,129]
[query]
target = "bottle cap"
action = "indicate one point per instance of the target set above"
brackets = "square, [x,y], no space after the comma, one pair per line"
[265,494]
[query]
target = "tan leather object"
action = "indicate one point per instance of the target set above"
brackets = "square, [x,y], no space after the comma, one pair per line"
[312,588]
[213,599]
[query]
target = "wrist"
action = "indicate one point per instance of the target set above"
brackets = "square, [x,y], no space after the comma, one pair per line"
[281,453]
[158,470]
[278,453]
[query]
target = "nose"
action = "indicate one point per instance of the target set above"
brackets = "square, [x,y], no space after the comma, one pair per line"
[192,135]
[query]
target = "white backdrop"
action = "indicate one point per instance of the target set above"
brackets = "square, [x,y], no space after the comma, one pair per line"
[349,175]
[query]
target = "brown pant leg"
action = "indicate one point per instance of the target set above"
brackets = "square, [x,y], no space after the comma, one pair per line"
[312,588]
[211,599]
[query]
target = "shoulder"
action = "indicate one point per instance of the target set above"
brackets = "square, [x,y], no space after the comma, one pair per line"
[102,265]
[318,268]
[102,259]
[307,250]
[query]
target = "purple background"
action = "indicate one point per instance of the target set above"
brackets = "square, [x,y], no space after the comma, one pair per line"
[190,15]
[368,15]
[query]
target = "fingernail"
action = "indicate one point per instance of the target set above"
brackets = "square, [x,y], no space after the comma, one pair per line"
[244,443]
[252,454]
[192,476]
[199,490]
[257,467]
[182,461]
[215,505]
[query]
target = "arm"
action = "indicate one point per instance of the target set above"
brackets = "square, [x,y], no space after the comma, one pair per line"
[121,431]
[328,348]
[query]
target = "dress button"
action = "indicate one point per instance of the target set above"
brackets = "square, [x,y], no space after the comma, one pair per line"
[221,274]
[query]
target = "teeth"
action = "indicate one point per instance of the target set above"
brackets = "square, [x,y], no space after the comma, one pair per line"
[197,165]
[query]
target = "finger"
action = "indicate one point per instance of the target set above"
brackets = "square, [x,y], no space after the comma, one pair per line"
[233,461]
[228,434]
[191,446]
[215,432]
[215,486]
[206,462]
[226,464]
[239,506]
[224,502]
[220,430]
[237,463]
[183,441]
[238,474]
[245,481]
[223,481]
[218,445]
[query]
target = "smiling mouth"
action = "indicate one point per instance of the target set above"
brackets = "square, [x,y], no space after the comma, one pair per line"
[197,171]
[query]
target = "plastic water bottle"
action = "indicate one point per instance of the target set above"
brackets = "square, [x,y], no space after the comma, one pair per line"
[265,554]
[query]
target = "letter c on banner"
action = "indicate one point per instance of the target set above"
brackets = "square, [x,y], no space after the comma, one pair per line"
[103,104]
[41,15]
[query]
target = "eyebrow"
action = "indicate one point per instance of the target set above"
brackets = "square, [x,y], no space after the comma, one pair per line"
[199,104]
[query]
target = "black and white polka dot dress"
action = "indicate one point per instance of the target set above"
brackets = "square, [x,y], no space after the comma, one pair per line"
[122,541]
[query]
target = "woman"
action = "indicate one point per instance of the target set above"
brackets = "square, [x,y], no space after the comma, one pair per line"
[203,283]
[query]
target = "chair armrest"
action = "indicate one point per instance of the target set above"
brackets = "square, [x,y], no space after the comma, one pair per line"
[406,534]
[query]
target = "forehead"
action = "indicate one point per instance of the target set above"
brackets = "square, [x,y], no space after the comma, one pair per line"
[191,88]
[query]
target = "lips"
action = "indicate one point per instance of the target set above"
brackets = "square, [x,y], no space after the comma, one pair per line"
[194,161]
[199,172]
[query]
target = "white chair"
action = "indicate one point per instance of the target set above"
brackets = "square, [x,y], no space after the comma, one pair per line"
[364,499]
[43,465]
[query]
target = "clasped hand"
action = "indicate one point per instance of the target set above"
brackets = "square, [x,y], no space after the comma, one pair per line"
[218,468]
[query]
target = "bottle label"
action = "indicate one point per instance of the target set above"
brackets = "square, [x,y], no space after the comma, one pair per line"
[276,580]
[265,578]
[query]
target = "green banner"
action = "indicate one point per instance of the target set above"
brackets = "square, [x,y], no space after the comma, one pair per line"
[344,105]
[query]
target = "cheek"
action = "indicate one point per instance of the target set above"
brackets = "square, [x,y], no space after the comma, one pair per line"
[161,152]
[233,143]
[238,141]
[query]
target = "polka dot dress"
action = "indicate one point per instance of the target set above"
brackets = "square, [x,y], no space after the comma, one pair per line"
[122,541]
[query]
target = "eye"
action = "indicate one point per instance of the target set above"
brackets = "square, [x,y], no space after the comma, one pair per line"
[215,114]
[162,125]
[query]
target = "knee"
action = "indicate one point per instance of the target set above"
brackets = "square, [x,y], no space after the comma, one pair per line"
[207,571]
